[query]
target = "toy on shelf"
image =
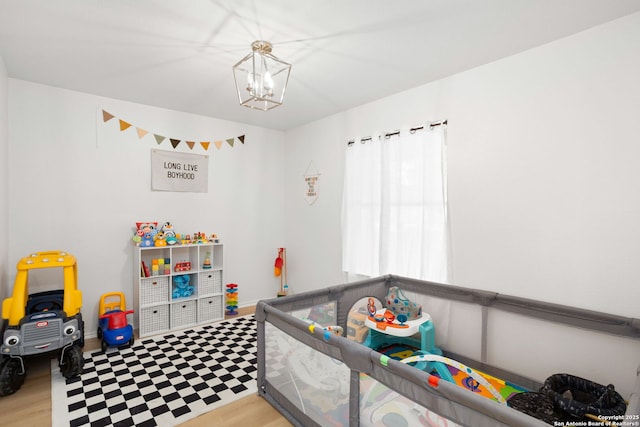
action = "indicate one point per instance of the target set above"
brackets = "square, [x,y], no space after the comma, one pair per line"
[199,238]
[159,240]
[232,299]
[206,264]
[169,233]
[182,288]
[149,234]
[182,266]
[113,328]
[145,233]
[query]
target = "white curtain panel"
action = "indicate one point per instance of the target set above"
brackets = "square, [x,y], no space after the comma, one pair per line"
[394,211]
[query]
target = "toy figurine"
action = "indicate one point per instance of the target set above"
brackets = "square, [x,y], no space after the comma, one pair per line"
[159,240]
[371,307]
[147,240]
[137,238]
[142,229]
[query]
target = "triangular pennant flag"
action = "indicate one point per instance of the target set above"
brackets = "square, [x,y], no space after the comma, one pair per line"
[174,142]
[241,138]
[230,141]
[191,144]
[106,116]
[124,125]
[218,144]
[141,133]
[205,145]
[159,138]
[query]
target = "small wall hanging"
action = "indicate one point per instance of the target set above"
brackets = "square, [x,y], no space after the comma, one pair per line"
[311,177]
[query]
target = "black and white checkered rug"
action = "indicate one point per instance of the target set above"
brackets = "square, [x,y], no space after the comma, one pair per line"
[162,380]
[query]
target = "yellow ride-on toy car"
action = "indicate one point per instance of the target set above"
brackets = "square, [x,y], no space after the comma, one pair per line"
[43,322]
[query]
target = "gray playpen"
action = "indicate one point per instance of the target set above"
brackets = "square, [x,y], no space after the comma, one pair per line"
[314,377]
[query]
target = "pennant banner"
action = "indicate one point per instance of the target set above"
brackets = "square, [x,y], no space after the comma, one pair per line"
[175,142]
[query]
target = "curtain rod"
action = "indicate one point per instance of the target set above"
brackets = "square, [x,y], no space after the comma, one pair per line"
[411,130]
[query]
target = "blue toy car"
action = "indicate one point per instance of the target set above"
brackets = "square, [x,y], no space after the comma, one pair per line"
[113,328]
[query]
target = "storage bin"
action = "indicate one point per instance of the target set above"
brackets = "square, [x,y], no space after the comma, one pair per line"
[210,282]
[154,319]
[154,290]
[210,309]
[183,313]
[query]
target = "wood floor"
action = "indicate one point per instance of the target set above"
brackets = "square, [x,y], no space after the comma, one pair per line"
[31,405]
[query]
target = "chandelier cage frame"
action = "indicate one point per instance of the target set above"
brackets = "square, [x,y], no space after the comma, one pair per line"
[261,78]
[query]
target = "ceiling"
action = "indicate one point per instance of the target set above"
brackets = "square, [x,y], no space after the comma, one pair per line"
[177,54]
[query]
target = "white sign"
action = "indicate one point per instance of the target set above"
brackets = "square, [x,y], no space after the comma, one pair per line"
[311,193]
[171,171]
[311,177]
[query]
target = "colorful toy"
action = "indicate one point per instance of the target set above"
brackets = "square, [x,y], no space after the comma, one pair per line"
[280,270]
[181,288]
[477,380]
[159,239]
[169,234]
[232,299]
[113,328]
[398,303]
[206,264]
[144,232]
[182,266]
[147,240]
[356,329]
[371,307]
[42,322]
[167,229]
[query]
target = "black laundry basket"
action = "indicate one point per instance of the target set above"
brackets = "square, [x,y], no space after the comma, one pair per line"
[580,397]
[539,406]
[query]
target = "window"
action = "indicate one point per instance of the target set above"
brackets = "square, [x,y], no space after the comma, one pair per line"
[394,211]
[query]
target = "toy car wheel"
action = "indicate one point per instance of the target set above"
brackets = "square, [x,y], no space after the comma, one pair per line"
[11,376]
[131,341]
[103,346]
[99,333]
[72,362]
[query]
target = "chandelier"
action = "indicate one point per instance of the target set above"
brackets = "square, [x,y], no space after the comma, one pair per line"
[261,78]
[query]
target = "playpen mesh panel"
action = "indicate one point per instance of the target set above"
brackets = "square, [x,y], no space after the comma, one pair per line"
[316,384]
[382,406]
[210,308]
[154,290]
[210,282]
[154,319]
[183,313]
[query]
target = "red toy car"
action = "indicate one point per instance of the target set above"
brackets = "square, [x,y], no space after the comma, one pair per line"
[182,266]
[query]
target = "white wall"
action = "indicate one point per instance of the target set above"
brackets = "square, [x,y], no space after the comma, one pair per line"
[543,172]
[4,180]
[79,184]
